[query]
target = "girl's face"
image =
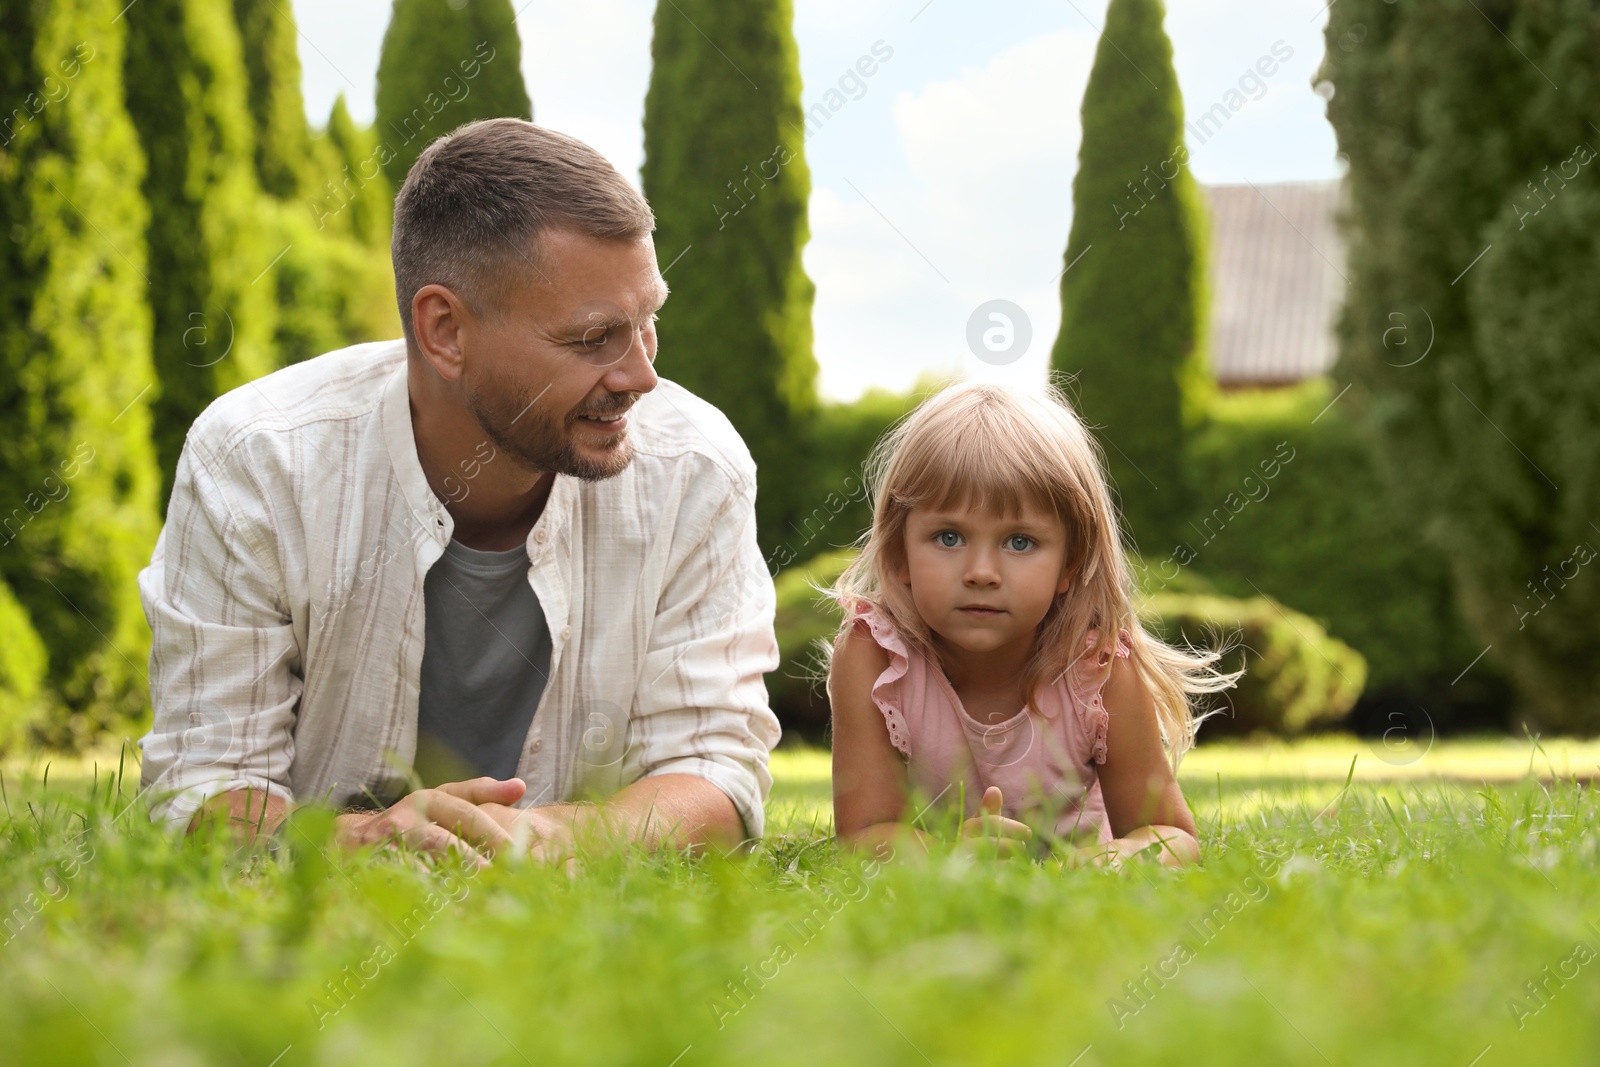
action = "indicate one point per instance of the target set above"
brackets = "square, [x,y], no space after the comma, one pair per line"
[980,581]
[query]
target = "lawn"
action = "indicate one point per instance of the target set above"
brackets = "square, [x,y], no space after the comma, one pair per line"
[1437,908]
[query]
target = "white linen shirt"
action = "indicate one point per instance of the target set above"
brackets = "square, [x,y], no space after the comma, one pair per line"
[285,598]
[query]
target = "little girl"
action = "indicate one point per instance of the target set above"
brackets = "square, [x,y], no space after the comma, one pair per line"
[990,657]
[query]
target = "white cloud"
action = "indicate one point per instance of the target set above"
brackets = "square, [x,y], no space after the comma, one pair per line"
[587,67]
[966,141]
[982,206]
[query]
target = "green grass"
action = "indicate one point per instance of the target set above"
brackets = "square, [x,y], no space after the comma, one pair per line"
[1395,920]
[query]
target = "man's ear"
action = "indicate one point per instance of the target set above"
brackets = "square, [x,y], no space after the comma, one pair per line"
[437,318]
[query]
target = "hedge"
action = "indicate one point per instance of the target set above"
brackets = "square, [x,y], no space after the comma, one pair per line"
[1471,328]
[829,506]
[1293,507]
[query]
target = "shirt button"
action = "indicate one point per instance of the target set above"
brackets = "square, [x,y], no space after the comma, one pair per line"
[566,632]
[539,536]
[536,746]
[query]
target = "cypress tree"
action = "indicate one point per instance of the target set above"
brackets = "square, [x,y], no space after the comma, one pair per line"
[212,325]
[332,282]
[335,286]
[331,289]
[445,63]
[1133,293]
[1470,333]
[725,170]
[78,477]
[358,192]
[285,161]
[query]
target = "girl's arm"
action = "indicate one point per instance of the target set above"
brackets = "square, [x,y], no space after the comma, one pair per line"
[1142,797]
[869,776]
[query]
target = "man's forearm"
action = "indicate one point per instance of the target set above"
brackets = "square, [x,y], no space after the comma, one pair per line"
[245,812]
[664,811]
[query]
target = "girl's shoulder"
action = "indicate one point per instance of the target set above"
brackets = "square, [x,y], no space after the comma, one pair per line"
[1092,668]
[872,624]
[870,657]
[1089,676]
[857,650]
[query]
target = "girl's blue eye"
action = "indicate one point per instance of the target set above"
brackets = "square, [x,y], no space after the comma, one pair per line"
[1014,538]
[955,538]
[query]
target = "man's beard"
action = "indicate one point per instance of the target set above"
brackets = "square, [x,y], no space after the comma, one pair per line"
[541,441]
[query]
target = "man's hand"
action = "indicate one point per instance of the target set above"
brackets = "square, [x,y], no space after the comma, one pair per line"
[453,816]
[543,835]
[990,832]
[668,811]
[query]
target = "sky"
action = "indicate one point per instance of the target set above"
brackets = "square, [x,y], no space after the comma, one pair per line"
[945,181]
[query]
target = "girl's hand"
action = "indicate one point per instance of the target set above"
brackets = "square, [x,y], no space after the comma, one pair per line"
[1167,845]
[992,833]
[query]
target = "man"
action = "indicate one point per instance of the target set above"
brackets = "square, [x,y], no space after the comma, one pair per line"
[454,583]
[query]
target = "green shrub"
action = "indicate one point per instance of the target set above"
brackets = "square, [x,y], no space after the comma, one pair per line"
[333,283]
[1295,509]
[1296,676]
[355,198]
[1133,303]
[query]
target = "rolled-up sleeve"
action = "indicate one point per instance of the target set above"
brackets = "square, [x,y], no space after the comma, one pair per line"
[702,705]
[225,668]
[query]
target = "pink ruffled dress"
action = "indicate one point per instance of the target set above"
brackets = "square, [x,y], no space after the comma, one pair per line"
[1046,765]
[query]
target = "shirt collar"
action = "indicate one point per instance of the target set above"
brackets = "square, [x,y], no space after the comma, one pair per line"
[428,510]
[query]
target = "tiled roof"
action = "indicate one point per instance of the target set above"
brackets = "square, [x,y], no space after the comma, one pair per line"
[1276,281]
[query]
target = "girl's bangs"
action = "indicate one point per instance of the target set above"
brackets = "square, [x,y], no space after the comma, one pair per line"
[990,467]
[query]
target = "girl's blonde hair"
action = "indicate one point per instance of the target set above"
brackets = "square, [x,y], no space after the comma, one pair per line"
[998,449]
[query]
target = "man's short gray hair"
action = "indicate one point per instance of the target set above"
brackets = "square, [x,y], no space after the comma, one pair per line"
[477,198]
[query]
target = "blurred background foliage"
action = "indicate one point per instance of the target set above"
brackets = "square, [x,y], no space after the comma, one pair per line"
[177,228]
[1139,374]
[725,171]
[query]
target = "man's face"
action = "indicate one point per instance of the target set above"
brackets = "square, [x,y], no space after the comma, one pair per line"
[566,353]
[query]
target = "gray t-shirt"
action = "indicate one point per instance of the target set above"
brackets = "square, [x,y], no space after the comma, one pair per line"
[485,662]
